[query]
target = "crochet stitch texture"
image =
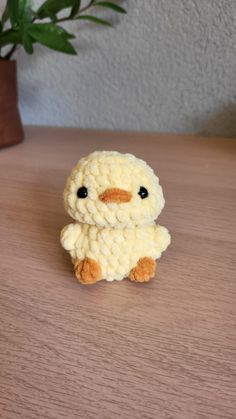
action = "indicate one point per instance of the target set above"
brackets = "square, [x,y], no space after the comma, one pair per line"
[114,221]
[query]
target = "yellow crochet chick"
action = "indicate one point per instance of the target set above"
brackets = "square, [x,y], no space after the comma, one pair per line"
[114,199]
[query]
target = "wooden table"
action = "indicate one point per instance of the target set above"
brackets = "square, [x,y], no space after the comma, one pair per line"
[166,349]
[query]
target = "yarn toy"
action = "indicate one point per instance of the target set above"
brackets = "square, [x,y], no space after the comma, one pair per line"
[114,199]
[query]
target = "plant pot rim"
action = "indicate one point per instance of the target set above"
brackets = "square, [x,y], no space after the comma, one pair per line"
[9,62]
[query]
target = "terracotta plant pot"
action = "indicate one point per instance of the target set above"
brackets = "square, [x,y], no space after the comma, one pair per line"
[11,130]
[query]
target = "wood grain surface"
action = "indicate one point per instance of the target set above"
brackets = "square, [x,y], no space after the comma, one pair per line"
[166,349]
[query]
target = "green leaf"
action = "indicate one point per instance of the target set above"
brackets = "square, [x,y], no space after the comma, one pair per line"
[52,36]
[13,6]
[75,8]
[110,5]
[1,26]
[94,19]
[10,37]
[50,8]
[25,15]
[27,43]
[19,12]
[24,8]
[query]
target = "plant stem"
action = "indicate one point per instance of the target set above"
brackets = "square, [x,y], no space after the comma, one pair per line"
[10,53]
[86,7]
[64,19]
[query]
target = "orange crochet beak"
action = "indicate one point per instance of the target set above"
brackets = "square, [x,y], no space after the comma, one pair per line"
[115,195]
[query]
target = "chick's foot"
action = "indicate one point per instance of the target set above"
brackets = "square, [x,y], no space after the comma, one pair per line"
[87,271]
[144,270]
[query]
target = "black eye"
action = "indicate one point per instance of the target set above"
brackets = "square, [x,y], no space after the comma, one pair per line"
[82,192]
[143,192]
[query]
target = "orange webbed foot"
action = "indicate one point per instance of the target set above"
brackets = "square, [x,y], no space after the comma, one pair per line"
[144,270]
[88,271]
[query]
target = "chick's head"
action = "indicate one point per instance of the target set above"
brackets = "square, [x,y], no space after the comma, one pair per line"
[110,189]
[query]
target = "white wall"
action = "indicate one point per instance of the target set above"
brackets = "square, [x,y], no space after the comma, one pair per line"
[169,65]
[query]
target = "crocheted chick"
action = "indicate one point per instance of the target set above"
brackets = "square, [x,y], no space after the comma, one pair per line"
[114,199]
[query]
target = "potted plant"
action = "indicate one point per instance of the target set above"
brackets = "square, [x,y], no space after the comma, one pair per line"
[22,25]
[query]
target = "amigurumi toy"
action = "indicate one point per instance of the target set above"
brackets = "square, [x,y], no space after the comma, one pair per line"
[114,199]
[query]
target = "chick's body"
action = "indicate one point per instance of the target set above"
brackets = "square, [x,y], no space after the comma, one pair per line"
[117,251]
[114,199]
